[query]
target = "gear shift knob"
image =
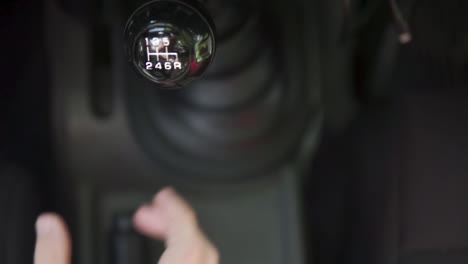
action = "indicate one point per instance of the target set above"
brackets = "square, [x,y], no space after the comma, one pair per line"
[170,42]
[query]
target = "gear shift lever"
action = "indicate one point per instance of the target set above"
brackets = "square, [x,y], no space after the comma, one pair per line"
[170,42]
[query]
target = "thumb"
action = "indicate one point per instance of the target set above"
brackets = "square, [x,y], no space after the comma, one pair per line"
[53,245]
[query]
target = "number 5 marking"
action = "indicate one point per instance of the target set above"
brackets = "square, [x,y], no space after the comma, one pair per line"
[166,41]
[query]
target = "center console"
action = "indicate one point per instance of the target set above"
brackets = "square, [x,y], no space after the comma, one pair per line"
[219,99]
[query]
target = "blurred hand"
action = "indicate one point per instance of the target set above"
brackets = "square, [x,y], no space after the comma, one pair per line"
[168,218]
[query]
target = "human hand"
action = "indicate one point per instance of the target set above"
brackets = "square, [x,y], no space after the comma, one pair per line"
[169,217]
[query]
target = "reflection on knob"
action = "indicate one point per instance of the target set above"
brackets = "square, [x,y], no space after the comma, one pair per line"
[170,42]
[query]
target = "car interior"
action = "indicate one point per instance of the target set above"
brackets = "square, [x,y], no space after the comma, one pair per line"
[301,131]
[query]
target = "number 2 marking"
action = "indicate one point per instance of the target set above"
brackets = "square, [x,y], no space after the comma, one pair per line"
[149,65]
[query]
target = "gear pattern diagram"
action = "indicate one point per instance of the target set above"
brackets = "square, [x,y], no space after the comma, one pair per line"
[158,55]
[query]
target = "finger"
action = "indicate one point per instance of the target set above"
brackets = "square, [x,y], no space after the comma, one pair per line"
[170,218]
[53,245]
[148,221]
[166,217]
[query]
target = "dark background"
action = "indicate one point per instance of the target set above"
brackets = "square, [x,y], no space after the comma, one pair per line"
[390,178]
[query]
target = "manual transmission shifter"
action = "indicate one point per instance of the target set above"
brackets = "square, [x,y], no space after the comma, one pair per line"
[170,42]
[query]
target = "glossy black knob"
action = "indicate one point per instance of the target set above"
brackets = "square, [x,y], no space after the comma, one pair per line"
[170,42]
